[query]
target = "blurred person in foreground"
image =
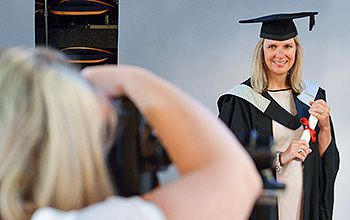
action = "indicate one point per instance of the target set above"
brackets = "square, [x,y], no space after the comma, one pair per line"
[53,134]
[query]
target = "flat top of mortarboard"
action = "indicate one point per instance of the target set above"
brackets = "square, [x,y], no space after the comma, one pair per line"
[278,17]
[280,26]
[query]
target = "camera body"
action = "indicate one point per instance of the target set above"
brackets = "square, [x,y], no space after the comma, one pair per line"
[136,154]
[260,149]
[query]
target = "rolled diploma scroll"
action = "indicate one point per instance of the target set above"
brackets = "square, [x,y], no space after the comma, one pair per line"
[306,133]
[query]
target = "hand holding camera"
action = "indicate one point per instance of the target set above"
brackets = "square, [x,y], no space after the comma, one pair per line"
[208,157]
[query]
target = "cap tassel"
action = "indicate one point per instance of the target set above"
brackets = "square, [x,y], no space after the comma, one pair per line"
[311,22]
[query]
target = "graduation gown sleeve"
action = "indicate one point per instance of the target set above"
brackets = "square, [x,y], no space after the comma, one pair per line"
[236,114]
[329,169]
[242,110]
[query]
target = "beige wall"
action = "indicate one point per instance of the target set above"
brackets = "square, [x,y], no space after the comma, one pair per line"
[16,23]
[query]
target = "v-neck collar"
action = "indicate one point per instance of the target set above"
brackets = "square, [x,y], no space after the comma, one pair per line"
[268,106]
[276,112]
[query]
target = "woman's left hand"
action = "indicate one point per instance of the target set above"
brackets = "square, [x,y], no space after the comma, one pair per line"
[320,109]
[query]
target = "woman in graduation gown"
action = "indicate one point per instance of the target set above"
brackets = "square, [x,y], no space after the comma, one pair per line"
[272,102]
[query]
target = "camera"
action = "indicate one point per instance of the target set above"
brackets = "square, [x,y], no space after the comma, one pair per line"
[136,155]
[260,149]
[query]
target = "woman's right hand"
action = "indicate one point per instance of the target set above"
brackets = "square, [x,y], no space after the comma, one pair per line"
[297,150]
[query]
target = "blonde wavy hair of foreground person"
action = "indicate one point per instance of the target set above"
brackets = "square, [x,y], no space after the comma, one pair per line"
[259,78]
[51,135]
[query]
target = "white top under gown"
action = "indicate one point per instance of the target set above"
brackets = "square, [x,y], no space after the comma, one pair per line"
[290,200]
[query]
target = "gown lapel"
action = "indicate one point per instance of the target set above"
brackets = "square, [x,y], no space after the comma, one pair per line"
[268,106]
[279,114]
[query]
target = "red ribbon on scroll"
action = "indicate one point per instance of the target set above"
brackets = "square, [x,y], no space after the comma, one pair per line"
[305,122]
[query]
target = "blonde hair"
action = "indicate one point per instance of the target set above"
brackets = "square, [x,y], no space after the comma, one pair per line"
[51,136]
[259,80]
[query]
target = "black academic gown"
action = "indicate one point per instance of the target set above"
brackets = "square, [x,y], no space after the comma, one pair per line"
[243,110]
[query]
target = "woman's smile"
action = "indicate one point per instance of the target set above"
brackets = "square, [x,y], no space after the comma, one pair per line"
[279,56]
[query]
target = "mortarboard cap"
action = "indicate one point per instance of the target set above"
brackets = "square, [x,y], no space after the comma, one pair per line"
[280,26]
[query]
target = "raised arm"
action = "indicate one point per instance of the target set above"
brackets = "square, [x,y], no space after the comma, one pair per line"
[219,179]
